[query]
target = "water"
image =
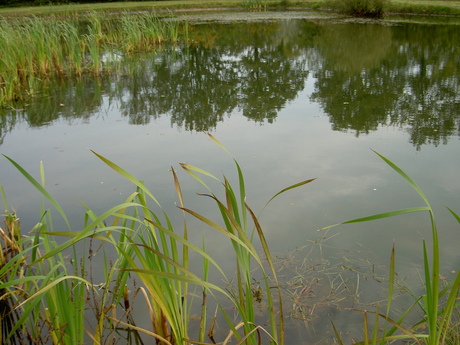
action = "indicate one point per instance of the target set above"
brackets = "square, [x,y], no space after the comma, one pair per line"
[293,97]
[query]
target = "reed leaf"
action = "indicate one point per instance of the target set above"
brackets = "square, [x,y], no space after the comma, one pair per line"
[40,188]
[456,216]
[429,302]
[337,335]
[296,185]
[380,216]
[89,231]
[127,175]
[189,245]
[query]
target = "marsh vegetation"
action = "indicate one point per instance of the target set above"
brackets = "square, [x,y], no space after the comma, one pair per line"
[37,49]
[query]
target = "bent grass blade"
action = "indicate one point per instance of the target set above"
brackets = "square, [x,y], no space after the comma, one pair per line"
[40,188]
[378,216]
[436,327]
[128,176]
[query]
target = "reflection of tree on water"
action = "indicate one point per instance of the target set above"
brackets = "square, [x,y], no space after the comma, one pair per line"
[72,100]
[407,78]
[431,97]
[366,76]
[200,84]
[351,83]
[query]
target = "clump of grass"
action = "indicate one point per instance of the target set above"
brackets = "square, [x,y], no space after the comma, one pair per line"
[361,8]
[255,5]
[148,246]
[437,304]
[46,298]
[10,247]
[143,31]
[33,49]
[166,274]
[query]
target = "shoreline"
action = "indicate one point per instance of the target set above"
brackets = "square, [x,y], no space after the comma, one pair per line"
[394,8]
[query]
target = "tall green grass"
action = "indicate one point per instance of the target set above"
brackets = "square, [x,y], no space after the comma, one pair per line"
[33,49]
[437,304]
[361,8]
[255,5]
[46,298]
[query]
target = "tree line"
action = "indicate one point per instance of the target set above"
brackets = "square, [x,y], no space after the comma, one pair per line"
[48,2]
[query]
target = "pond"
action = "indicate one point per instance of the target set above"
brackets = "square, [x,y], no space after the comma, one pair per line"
[292,96]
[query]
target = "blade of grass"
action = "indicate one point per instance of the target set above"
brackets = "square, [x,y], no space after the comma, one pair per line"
[456,216]
[379,216]
[337,335]
[296,185]
[406,177]
[127,175]
[40,188]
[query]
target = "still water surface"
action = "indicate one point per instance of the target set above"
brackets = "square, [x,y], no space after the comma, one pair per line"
[292,99]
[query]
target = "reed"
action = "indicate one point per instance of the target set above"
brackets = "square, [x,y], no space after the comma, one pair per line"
[167,276]
[144,31]
[149,246]
[73,49]
[437,304]
[255,5]
[33,49]
[10,268]
[360,8]
[45,299]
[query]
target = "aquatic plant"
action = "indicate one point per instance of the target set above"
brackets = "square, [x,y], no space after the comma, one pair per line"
[255,5]
[361,8]
[437,304]
[44,298]
[33,49]
[150,247]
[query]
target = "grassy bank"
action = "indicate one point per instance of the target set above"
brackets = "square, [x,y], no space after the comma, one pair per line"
[425,7]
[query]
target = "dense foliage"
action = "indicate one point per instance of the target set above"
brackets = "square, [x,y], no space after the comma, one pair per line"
[362,8]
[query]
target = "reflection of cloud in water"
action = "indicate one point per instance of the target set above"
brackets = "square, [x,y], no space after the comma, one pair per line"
[111,57]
